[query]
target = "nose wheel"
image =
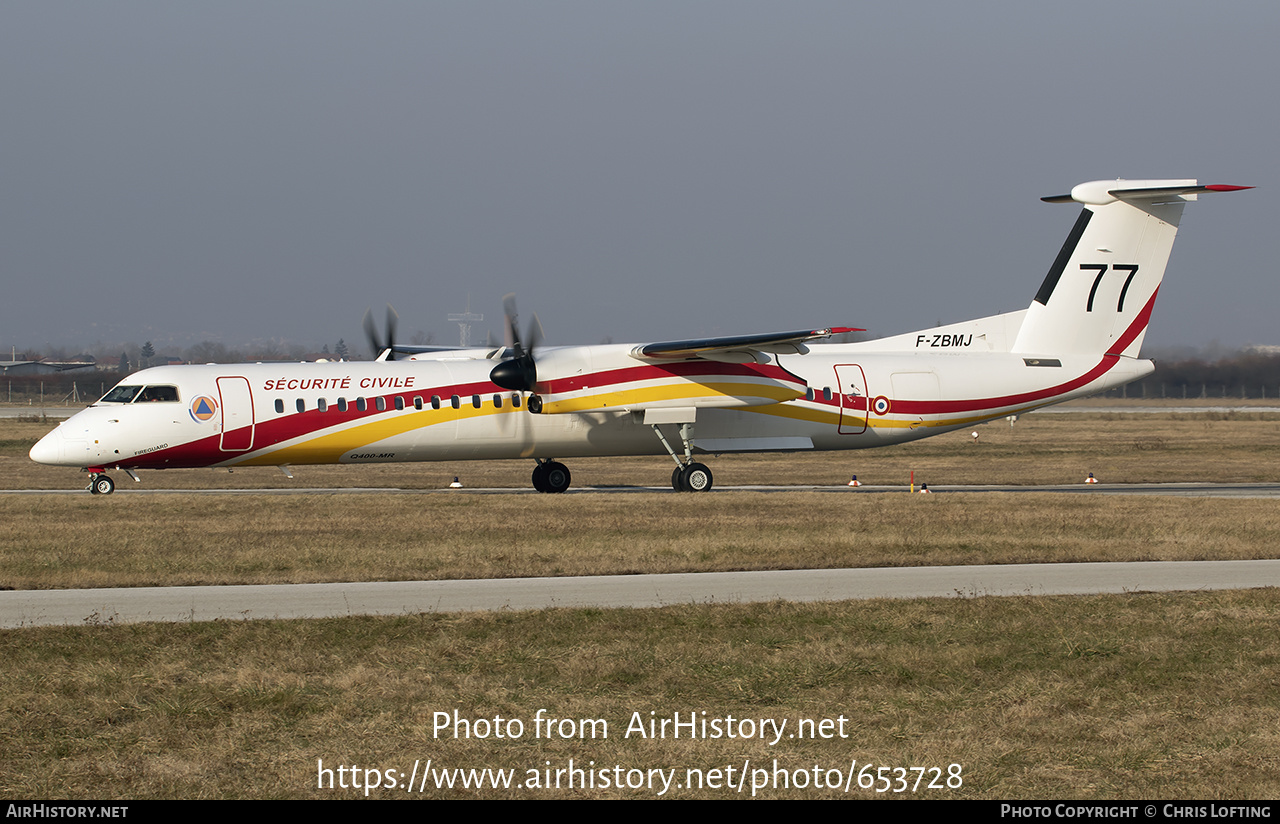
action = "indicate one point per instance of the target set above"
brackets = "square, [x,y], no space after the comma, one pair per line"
[100,484]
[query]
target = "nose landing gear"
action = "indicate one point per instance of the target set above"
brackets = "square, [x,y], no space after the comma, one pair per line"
[100,484]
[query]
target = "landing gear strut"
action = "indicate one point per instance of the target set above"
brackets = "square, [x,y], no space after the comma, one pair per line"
[689,475]
[100,484]
[551,476]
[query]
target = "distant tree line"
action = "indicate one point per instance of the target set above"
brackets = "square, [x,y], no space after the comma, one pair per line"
[1242,375]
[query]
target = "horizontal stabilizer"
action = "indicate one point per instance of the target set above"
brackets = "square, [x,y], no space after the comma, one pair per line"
[1102,192]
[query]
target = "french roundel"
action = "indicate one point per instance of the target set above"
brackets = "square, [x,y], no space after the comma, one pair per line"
[880,405]
[203,408]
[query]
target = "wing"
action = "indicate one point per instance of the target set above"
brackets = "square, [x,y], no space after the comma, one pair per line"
[736,348]
[677,377]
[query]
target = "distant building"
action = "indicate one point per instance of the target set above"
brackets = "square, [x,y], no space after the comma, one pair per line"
[16,369]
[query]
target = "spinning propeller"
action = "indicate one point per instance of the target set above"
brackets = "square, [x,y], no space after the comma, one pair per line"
[518,373]
[382,350]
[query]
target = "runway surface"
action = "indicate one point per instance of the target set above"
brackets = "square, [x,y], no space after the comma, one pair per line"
[58,413]
[1152,410]
[32,608]
[1183,490]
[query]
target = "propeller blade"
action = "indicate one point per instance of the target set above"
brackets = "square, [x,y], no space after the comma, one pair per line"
[512,318]
[535,333]
[376,342]
[371,332]
[518,373]
[392,320]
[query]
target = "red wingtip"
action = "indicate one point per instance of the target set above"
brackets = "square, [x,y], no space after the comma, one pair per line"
[838,330]
[1220,187]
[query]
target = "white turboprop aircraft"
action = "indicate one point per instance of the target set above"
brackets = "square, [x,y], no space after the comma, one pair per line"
[754,393]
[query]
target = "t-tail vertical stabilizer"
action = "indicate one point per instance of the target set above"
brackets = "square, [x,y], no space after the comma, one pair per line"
[1098,295]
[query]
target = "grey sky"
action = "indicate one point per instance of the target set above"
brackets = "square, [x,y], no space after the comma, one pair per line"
[248,170]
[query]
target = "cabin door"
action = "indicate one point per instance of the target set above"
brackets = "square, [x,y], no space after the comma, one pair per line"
[237,414]
[852,383]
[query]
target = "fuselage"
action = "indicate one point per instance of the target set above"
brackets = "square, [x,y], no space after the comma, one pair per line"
[594,400]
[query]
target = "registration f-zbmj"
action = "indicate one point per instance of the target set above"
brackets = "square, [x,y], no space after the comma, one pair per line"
[752,393]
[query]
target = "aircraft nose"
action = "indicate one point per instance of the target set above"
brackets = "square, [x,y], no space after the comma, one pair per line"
[48,450]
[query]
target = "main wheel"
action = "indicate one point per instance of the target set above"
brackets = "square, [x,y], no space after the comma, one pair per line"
[103,485]
[557,477]
[540,478]
[696,478]
[676,479]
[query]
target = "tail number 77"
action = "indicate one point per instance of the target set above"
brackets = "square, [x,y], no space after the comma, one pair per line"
[1101,269]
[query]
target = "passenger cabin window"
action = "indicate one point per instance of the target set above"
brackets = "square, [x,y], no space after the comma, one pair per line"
[497,401]
[361,405]
[342,404]
[380,404]
[322,405]
[399,402]
[515,400]
[435,401]
[826,393]
[417,402]
[475,401]
[302,405]
[455,402]
[808,394]
[279,406]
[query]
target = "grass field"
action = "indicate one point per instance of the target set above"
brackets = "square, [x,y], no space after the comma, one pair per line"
[1137,696]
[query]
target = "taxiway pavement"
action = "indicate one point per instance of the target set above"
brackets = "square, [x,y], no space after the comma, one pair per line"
[33,608]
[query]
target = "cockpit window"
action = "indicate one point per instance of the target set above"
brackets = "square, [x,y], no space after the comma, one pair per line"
[121,394]
[140,394]
[168,394]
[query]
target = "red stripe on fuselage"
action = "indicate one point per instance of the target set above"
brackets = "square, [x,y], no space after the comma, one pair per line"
[1109,360]
[275,430]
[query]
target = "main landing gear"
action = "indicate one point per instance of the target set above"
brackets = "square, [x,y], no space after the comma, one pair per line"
[693,477]
[100,484]
[551,476]
[689,475]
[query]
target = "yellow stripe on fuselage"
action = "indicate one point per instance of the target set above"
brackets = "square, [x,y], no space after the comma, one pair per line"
[327,446]
[640,396]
